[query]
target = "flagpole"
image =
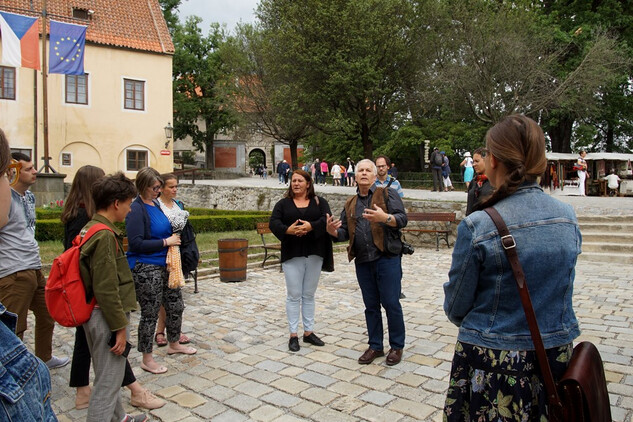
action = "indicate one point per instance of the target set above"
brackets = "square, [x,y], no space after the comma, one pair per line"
[46,158]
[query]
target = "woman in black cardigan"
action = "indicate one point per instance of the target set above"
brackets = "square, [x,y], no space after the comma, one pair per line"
[299,222]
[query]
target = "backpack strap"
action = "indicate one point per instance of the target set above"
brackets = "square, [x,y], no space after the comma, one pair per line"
[97,227]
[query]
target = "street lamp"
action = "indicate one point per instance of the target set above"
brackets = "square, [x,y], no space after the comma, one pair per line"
[169,133]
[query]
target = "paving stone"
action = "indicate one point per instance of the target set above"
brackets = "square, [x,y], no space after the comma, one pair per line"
[377,414]
[319,395]
[376,397]
[188,399]
[419,411]
[281,399]
[243,403]
[290,385]
[266,413]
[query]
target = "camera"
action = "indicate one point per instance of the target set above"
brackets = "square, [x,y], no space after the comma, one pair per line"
[407,248]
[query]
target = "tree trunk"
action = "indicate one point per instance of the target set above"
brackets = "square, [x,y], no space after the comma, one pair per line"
[208,146]
[368,148]
[609,141]
[560,135]
[293,154]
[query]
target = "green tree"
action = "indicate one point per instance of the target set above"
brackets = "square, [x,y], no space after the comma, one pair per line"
[170,9]
[263,94]
[348,61]
[493,59]
[201,108]
[604,122]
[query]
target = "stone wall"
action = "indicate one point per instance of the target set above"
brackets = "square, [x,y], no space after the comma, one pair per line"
[264,199]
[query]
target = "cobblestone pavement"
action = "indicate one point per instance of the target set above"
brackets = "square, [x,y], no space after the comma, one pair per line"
[244,371]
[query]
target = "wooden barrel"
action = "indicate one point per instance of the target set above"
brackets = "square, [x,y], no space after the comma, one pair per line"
[233,254]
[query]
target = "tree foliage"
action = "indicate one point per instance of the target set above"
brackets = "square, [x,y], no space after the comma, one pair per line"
[200,101]
[262,92]
[348,59]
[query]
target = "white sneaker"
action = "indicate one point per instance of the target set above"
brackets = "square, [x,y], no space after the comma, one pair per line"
[56,362]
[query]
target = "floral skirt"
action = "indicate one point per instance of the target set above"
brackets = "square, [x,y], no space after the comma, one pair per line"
[500,385]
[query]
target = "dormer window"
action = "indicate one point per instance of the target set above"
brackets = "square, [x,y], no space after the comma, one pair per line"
[84,14]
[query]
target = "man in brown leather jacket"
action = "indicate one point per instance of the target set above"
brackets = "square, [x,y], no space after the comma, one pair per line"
[363,222]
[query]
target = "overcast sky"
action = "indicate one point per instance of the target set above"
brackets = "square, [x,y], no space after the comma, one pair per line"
[229,12]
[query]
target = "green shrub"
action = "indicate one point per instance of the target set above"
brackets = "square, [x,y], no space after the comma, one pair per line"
[47,214]
[54,229]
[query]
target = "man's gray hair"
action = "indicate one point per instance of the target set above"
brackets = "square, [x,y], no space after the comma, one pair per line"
[368,161]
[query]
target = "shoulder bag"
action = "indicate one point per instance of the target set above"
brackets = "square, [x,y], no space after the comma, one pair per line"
[581,394]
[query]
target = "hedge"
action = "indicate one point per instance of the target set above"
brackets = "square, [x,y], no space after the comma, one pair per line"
[48,214]
[53,229]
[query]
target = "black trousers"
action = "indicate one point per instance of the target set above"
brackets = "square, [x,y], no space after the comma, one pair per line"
[438,184]
[80,366]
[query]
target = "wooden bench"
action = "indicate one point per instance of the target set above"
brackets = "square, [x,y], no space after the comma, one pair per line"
[262,229]
[447,217]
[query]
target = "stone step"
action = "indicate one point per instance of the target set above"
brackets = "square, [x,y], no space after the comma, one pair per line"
[604,227]
[616,258]
[607,247]
[604,237]
[605,219]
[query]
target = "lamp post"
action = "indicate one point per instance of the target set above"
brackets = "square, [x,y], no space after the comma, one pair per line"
[169,133]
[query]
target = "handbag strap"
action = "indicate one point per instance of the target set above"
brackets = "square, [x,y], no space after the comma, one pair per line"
[509,246]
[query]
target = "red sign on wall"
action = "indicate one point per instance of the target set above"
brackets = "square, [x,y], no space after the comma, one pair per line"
[225,157]
[299,156]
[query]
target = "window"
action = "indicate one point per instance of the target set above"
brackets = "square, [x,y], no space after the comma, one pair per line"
[136,160]
[25,151]
[84,14]
[134,94]
[77,89]
[7,83]
[67,159]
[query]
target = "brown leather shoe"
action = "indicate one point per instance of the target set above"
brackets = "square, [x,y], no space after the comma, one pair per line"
[394,357]
[369,356]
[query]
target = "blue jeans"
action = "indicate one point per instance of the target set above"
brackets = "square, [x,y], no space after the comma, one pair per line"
[25,383]
[302,278]
[380,283]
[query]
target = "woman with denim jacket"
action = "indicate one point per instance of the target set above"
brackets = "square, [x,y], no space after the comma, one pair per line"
[495,373]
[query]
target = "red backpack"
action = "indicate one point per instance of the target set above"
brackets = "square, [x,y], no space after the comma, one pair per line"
[65,292]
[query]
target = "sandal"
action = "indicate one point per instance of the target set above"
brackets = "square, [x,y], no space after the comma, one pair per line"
[185,351]
[184,339]
[162,341]
[160,370]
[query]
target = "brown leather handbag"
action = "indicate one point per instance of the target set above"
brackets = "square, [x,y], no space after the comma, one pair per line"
[581,394]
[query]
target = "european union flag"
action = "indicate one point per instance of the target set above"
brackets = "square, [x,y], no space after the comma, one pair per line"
[66,51]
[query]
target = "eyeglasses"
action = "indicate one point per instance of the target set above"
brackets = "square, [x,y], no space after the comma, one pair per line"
[156,188]
[13,172]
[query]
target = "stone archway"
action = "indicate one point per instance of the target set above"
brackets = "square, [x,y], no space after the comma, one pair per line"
[257,160]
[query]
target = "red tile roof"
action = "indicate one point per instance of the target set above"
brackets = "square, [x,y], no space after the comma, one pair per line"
[135,24]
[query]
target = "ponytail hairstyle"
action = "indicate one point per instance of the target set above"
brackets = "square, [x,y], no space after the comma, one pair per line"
[519,143]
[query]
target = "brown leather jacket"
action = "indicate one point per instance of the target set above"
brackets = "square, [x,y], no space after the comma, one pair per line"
[377,230]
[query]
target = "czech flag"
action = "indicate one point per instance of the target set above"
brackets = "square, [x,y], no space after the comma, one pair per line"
[20,37]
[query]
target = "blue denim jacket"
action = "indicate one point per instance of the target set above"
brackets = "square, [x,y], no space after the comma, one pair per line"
[25,383]
[481,295]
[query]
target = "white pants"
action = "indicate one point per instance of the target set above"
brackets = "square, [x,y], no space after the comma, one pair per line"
[447,182]
[302,278]
[582,175]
